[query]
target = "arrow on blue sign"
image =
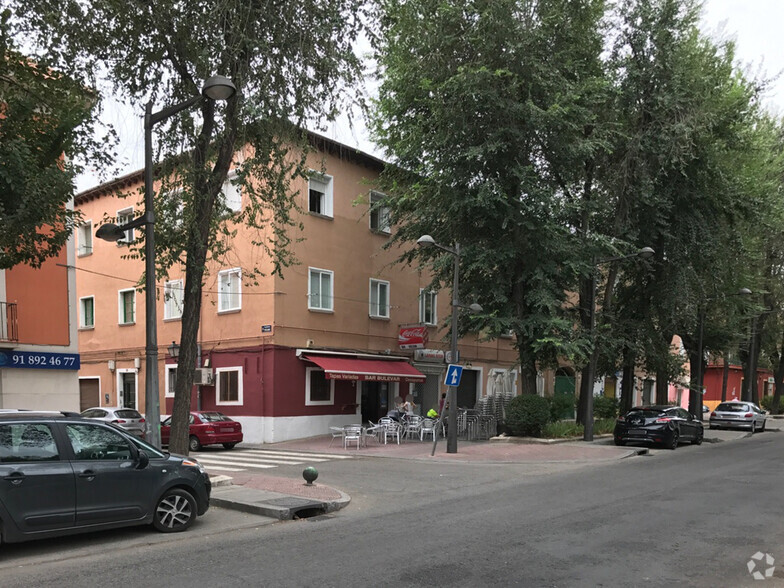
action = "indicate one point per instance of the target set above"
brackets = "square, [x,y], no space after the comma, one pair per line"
[453,375]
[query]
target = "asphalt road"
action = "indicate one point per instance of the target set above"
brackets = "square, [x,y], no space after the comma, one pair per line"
[692,517]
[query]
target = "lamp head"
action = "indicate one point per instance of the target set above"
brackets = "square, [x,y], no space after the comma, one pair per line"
[218,88]
[426,241]
[646,252]
[110,232]
[744,292]
[475,308]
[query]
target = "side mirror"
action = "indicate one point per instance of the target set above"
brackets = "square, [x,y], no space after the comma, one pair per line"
[142,461]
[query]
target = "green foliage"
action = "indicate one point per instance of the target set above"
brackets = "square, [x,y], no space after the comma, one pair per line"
[290,64]
[603,426]
[562,429]
[45,116]
[527,415]
[605,407]
[485,107]
[561,406]
[767,404]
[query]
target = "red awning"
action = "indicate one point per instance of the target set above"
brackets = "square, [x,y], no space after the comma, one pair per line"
[372,370]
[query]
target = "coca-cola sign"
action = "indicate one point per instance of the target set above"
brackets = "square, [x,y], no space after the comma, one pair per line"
[412,337]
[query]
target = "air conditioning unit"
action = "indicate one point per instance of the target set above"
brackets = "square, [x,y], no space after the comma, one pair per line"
[203,377]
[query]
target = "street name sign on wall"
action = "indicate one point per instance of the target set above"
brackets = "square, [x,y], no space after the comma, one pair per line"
[453,374]
[39,360]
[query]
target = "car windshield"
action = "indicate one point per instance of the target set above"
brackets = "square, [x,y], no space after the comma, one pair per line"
[213,417]
[128,414]
[729,407]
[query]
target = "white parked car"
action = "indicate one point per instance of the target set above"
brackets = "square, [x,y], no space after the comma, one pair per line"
[738,414]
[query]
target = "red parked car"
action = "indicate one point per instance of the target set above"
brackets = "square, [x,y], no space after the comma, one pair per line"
[207,428]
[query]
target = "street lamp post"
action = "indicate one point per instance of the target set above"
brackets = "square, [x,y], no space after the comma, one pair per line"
[428,241]
[215,88]
[695,396]
[643,253]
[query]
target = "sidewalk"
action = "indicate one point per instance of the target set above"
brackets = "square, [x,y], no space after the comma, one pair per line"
[287,498]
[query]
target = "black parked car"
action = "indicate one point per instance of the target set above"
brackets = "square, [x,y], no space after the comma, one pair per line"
[662,425]
[63,474]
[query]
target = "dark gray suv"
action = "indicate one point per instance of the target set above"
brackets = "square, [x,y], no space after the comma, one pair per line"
[63,474]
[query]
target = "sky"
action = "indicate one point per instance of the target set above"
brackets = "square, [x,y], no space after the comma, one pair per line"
[755,26]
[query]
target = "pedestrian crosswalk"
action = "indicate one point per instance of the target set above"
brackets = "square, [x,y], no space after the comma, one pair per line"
[248,460]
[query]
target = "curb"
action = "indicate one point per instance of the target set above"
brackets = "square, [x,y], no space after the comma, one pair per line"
[284,507]
[541,441]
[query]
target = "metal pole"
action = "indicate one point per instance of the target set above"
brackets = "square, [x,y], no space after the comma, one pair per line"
[695,396]
[588,421]
[451,435]
[151,396]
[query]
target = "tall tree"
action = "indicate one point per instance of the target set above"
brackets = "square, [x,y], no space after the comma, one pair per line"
[47,121]
[290,63]
[487,108]
[684,165]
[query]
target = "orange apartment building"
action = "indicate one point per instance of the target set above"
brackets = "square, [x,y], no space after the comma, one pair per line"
[39,352]
[291,355]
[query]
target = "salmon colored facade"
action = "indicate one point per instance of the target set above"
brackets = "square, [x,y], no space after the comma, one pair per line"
[345,298]
[37,334]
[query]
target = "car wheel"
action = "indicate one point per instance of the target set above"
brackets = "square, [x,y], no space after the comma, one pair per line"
[229,445]
[762,428]
[175,511]
[753,427]
[673,444]
[193,443]
[698,438]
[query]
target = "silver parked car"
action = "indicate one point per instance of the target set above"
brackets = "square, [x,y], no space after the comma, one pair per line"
[738,414]
[125,418]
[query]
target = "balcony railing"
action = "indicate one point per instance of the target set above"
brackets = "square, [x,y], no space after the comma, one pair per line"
[9,327]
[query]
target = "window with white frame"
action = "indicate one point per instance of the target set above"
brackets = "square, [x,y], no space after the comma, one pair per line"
[173,296]
[171,380]
[127,307]
[85,237]
[320,194]
[228,385]
[319,289]
[427,307]
[379,213]
[123,217]
[379,299]
[319,391]
[87,312]
[229,290]
[232,194]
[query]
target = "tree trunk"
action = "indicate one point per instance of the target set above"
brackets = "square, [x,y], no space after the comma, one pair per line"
[725,376]
[528,374]
[627,385]
[662,387]
[206,187]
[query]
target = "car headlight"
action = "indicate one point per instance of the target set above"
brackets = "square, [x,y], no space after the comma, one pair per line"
[193,463]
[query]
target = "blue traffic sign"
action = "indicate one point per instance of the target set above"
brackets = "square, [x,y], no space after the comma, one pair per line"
[453,374]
